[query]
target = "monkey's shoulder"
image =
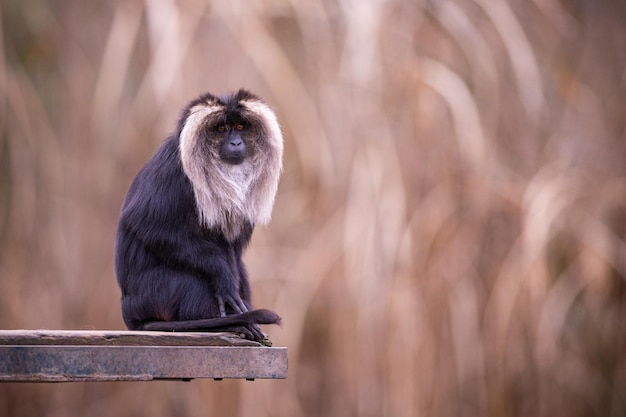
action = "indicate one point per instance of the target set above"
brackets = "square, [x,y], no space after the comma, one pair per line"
[160,190]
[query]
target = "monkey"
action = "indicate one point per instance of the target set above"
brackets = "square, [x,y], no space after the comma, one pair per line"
[189,214]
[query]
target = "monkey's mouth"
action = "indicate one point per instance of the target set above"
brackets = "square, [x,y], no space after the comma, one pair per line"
[234,158]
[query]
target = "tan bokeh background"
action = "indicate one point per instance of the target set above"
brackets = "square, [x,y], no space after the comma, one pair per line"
[449,236]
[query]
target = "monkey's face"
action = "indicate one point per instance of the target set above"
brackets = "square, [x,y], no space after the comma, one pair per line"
[232,135]
[232,144]
[236,129]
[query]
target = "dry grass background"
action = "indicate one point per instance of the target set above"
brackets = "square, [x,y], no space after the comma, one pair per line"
[449,236]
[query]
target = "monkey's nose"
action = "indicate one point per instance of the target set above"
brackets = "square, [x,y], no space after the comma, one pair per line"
[236,146]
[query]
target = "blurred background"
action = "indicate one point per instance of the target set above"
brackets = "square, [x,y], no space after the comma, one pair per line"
[449,235]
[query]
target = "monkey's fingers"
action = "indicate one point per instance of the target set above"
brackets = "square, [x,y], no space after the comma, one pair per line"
[251,332]
[241,305]
[220,304]
[257,332]
[237,304]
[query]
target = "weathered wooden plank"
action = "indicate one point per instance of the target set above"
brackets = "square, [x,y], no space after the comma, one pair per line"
[121,338]
[50,363]
[64,356]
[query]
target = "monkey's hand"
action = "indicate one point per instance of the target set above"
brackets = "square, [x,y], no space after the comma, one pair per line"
[235,302]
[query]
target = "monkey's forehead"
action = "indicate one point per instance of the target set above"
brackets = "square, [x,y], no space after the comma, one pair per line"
[228,99]
[239,96]
[212,112]
[231,106]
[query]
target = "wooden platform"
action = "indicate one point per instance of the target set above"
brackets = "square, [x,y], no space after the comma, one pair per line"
[66,356]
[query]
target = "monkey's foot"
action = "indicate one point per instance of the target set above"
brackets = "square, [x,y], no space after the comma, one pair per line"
[252,332]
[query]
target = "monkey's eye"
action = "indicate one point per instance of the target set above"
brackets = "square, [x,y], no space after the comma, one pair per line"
[221,128]
[240,126]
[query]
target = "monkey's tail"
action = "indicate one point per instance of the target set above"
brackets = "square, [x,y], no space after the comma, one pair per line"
[260,316]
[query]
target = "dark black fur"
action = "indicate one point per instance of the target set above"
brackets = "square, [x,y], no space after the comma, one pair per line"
[172,270]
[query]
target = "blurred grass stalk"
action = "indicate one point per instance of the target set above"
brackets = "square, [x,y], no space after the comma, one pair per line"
[449,236]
